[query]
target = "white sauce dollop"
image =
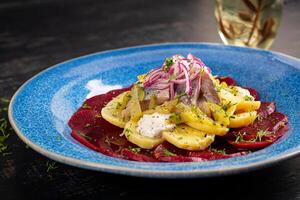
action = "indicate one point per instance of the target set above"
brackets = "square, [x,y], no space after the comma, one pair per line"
[152,125]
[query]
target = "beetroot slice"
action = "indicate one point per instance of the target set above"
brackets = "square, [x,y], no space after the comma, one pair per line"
[266,108]
[268,140]
[271,123]
[274,125]
[83,120]
[227,79]
[137,156]
[83,140]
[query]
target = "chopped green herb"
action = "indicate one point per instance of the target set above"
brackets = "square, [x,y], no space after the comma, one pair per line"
[118,105]
[174,118]
[169,63]
[134,149]
[4,100]
[168,153]
[227,106]
[84,136]
[5,129]
[260,134]
[86,106]
[248,98]
[220,151]
[51,165]
[239,138]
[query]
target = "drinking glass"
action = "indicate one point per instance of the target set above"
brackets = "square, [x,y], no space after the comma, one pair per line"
[251,23]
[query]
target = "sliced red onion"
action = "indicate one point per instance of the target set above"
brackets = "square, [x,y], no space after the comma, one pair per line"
[182,71]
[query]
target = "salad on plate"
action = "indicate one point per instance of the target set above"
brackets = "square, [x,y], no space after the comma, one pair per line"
[179,112]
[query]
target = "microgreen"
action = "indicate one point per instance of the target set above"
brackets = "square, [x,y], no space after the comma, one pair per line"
[227,105]
[84,136]
[248,98]
[169,63]
[134,149]
[260,134]
[51,165]
[220,151]
[5,129]
[168,153]
[239,138]
[86,106]
[174,118]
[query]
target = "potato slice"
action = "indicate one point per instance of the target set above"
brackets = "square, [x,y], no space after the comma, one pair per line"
[166,108]
[219,114]
[195,118]
[185,137]
[130,132]
[242,119]
[112,112]
[246,106]
[208,128]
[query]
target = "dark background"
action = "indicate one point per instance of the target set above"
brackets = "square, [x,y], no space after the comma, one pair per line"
[37,34]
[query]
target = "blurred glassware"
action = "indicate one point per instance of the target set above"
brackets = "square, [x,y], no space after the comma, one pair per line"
[252,23]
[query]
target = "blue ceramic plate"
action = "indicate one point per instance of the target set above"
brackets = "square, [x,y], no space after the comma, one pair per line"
[40,110]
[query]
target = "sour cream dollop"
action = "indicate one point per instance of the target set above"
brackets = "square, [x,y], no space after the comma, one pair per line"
[153,124]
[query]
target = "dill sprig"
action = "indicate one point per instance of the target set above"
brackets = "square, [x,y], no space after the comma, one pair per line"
[5,129]
[51,165]
[169,153]
[134,149]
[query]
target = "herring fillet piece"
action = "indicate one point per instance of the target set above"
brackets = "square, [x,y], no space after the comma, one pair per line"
[208,90]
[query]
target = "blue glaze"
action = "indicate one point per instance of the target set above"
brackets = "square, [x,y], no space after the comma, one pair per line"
[39,111]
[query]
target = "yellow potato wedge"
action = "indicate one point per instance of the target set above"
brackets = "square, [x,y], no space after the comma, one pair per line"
[242,119]
[112,112]
[246,106]
[216,129]
[185,137]
[130,132]
[219,114]
[165,108]
[195,118]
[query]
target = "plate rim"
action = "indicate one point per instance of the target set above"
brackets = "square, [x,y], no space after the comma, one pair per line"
[97,166]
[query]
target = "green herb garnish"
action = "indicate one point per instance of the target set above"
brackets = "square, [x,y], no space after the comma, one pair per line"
[84,136]
[169,63]
[5,129]
[168,153]
[134,149]
[227,106]
[248,98]
[175,118]
[260,134]
[86,106]
[220,151]
[51,165]
[239,138]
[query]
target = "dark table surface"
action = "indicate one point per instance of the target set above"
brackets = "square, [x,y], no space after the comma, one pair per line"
[36,34]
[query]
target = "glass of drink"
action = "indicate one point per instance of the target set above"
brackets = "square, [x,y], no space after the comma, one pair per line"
[251,23]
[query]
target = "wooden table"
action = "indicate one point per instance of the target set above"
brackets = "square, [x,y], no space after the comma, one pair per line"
[37,34]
